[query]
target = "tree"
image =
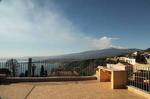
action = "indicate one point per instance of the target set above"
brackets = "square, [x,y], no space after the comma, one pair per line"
[141,59]
[22,75]
[42,71]
[13,64]
[33,69]
[45,73]
[26,73]
[5,71]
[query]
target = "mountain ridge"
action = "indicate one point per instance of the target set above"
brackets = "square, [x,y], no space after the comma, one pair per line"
[92,54]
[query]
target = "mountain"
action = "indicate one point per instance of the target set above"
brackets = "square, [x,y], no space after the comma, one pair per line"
[93,54]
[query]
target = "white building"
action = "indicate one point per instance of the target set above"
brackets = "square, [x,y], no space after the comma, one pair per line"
[135,53]
[118,66]
[131,61]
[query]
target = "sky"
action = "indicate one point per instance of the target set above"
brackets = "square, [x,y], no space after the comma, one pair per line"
[55,27]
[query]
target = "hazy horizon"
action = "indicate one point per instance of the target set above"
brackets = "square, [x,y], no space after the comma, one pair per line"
[53,27]
[52,56]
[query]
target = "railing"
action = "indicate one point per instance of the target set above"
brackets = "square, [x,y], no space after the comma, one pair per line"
[139,77]
[42,68]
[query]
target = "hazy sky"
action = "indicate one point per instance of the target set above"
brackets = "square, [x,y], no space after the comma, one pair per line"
[53,27]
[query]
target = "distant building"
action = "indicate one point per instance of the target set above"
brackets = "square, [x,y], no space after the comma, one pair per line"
[135,53]
[118,66]
[131,61]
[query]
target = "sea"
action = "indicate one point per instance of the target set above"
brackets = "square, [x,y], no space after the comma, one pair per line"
[22,65]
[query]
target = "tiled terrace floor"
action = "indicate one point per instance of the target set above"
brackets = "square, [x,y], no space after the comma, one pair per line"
[64,90]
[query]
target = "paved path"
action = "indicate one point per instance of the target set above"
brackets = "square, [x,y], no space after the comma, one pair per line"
[64,90]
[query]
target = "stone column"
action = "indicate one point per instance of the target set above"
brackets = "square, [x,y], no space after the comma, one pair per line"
[29,67]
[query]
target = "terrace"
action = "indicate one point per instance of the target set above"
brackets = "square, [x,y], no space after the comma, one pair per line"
[65,90]
[41,79]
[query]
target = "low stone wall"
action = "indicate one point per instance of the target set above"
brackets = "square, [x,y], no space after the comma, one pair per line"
[47,79]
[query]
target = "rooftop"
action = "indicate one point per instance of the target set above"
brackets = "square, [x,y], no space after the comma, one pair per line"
[64,90]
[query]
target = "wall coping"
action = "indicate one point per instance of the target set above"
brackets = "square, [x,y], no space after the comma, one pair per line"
[109,69]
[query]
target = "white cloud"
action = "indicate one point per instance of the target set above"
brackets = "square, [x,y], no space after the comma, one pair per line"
[103,42]
[27,28]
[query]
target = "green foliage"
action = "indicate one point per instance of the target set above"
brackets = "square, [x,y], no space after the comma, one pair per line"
[33,69]
[141,59]
[13,65]
[26,73]
[86,67]
[112,61]
[22,75]
[42,71]
[147,50]
[45,73]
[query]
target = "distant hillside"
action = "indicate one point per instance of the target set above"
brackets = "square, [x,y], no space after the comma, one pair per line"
[98,53]
[93,54]
[147,50]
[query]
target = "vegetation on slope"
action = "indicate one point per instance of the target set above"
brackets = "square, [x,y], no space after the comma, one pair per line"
[87,67]
[147,50]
